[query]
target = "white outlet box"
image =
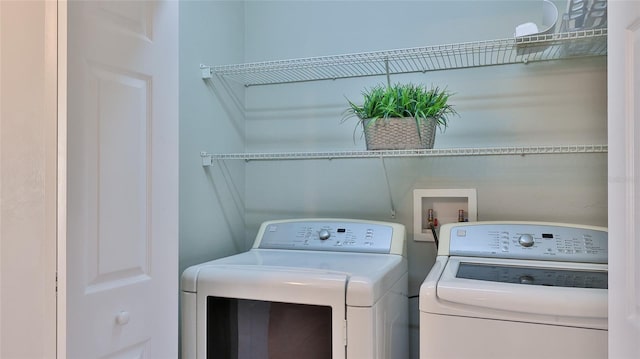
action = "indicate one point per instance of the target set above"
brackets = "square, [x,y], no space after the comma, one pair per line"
[446,204]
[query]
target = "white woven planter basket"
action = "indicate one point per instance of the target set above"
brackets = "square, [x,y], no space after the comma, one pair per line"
[399,134]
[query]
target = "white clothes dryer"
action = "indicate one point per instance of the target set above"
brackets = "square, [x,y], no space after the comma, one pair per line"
[516,290]
[308,288]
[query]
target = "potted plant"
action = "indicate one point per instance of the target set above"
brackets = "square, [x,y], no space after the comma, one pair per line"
[401,116]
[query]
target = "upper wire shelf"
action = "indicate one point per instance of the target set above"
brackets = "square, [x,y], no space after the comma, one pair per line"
[525,49]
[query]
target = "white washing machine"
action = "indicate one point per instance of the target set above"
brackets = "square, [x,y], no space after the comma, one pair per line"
[309,288]
[516,290]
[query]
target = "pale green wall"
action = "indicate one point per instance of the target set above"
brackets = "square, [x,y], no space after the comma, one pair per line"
[539,103]
[211,119]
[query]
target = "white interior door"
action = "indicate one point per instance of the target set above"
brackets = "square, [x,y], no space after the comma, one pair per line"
[122,180]
[624,170]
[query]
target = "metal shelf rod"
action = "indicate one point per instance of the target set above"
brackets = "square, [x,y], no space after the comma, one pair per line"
[207,158]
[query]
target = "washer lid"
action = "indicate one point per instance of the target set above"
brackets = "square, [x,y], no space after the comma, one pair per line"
[461,282]
[367,276]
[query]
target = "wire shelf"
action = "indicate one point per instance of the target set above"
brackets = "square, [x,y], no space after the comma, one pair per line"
[420,59]
[207,158]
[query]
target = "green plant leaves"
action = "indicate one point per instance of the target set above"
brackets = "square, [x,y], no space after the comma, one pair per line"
[403,100]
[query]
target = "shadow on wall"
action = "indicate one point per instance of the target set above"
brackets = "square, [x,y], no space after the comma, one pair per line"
[226,192]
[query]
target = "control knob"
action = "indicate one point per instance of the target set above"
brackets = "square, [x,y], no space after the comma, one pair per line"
[324,234]
[526,240]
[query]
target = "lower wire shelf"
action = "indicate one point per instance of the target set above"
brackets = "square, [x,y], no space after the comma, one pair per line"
[207,158]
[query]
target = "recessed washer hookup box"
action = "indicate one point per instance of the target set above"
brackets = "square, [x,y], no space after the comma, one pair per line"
[445,206]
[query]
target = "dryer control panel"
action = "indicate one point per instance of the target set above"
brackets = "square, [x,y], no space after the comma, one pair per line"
[530,240]
[331,235]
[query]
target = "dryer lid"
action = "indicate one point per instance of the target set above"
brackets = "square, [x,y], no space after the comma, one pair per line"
[278,284]
[367,276]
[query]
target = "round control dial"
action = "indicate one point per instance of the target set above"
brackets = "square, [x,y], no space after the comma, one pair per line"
[324,234]
[526,240]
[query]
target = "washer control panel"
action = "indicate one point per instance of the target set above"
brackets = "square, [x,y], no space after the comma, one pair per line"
[529,241]
[339,236]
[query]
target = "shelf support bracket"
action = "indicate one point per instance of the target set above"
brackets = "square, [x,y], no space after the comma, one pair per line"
[206,70]
[207,159]
[386,177]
